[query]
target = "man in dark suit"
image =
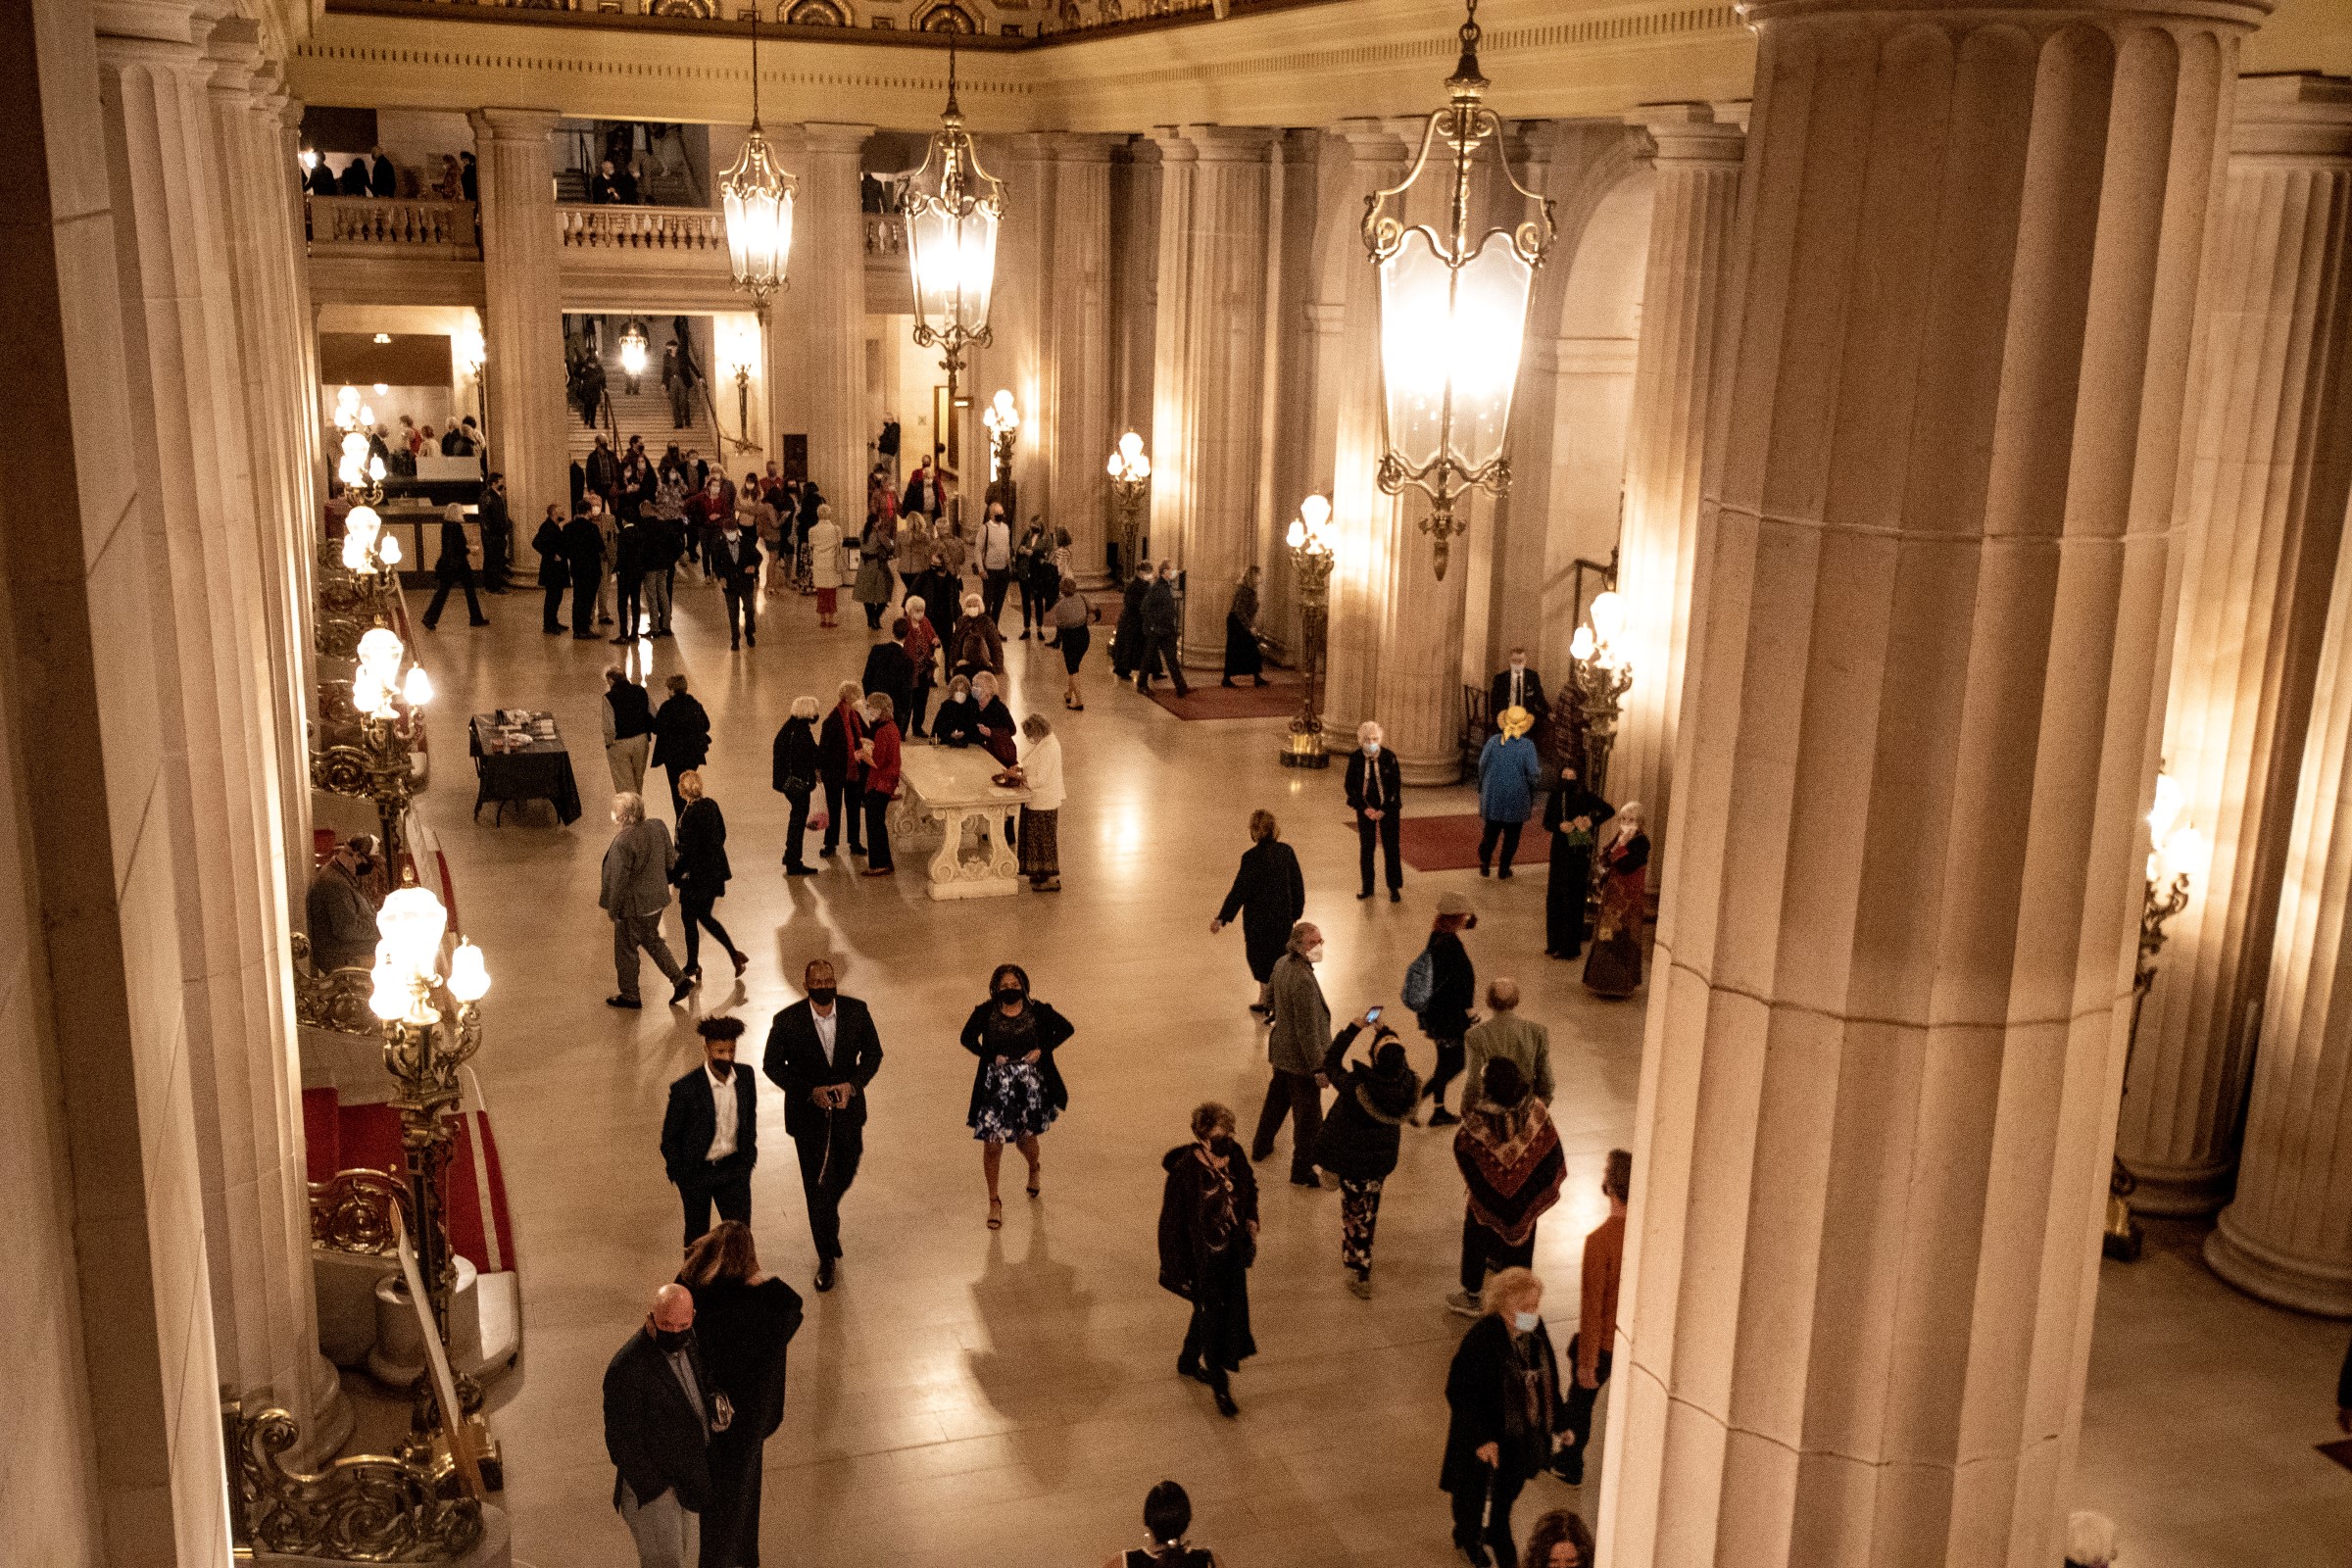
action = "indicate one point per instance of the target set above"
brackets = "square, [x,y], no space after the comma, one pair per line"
[711,1133]
[497,531]
[735,558]
[1375,792]
[584,558]
[660,1408]
[455,567]
[382,178]
[823,1053]
[1516,685]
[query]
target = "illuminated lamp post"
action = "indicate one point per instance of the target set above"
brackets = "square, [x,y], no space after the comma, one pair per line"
[1130,482]
[2177,854]
[1311,558]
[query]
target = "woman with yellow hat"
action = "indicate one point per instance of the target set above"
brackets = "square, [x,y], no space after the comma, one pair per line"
[1509,773]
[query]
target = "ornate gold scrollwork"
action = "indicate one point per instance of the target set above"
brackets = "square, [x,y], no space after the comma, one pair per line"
[331,999]
[367,1508]
[353,1211]
[339,635]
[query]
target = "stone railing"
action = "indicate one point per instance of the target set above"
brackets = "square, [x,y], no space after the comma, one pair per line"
[885,234]
[677,229]
[371,226]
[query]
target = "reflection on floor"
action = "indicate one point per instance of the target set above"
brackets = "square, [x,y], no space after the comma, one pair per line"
[976,1397]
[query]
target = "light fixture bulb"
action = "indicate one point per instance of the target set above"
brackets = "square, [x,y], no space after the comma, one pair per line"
[355,554]
[1315,511]
[1297,534]
[387,548]
[2164,814]
[1580,646]
[383,337]
[412,921]
[382,387]
[469,976]
[417,689]
[1609,616]
[387,999]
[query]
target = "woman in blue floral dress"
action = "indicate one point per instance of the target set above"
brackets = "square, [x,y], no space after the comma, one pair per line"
[1017,1091]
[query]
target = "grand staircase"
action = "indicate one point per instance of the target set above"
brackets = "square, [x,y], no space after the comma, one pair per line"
[646,414]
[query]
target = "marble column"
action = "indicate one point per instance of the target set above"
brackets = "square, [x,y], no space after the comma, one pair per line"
[1890,975]
[1696,168]
[1365,522]
[1418,695]
[783,353]
[828,296]
[2266,472]
[1210,334]
[2286,1236]
[522,326]
[190,452]
[1077,439]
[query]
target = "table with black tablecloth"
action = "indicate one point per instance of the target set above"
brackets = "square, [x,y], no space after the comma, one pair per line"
[538,770]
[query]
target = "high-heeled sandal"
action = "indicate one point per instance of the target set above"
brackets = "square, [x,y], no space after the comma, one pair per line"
[995,1214]
[1034,1174]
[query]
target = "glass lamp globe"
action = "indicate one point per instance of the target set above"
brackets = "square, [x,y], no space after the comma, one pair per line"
[412,921]
[469,976]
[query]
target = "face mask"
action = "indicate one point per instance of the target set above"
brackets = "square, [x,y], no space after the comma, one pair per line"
[958,697]
[671,1341]
[1518,665]
[822,996]
[363,866]
[1371,747]
[1524,1322]
[1011,994]
[723,1070]
[1314,955]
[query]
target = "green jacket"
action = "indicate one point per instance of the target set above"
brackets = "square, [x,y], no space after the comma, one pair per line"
[1301,1030]
[1523,1040]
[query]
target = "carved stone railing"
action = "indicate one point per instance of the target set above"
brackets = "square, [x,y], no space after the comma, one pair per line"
[675,231]
[370,226]
[367,1508]
[885,234]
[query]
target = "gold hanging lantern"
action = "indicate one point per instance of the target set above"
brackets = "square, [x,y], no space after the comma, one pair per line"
[758,196]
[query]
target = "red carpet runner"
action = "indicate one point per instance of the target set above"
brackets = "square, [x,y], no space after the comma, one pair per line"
[1208,700]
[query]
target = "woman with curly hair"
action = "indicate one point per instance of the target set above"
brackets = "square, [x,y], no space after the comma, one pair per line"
[1017,1089]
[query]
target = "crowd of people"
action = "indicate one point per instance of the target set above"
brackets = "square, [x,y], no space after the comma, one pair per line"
[694,1393]
[373,173]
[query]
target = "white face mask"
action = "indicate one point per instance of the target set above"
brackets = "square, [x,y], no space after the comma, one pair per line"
[1518,667]
[1524,1322]
[1314,955]
[1371,747]
[958,697]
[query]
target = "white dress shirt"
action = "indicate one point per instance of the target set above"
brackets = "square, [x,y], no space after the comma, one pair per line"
[723,1110]
[826,1023]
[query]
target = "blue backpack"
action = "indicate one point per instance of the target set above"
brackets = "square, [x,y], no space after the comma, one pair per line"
[1420,980]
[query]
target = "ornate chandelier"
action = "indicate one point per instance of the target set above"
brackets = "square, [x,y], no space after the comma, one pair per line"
[953,207]
[758,196]
[1452,310]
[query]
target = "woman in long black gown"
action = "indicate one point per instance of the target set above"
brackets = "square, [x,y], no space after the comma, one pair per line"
[1572,820]
[743,1319]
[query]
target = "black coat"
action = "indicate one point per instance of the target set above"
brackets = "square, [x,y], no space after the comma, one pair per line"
[1270,895]
[794,757]
[1215,1279]
[1474,1394]
[1365,1125]
[702,866]
[382,178]
[837,742]
[1051,1030]
[1452,991]
[454,556]
[1160,618]
[555,571]
[681,733]
[1568,802]
[1391,776]
[739,563]
[690,1123]
[1498,695]
[632,709]
[584,548]
[891,673]
[1130,628]
[742,1330]
[651,1431]
[796,1062]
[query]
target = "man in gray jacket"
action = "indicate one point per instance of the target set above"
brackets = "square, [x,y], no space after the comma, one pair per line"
[636,890]
[1301,1033]
[1526,1044]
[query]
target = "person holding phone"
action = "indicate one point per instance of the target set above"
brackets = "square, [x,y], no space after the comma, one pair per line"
[1358,1144]
[823,1051]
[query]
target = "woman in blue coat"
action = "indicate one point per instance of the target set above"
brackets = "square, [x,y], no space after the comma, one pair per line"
[1509,772]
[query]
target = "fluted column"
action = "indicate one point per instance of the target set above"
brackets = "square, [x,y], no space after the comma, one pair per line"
[1886,1028]
[190,452]
[2286,1237]
[1365,522]
[1078,437]
[522,326]
[1697,165]
[1210,333]
[1418,695]
[828,295]
[2267,467]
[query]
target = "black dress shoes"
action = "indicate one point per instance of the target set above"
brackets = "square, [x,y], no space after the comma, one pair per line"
[824,1274]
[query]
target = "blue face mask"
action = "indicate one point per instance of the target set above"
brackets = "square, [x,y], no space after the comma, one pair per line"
[1371,747]
[1524,1322]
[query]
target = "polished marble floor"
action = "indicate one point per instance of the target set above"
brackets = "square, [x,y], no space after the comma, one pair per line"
[976,1397]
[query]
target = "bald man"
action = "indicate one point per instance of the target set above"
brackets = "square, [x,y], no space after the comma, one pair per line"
[1526,1044]
[660,1408]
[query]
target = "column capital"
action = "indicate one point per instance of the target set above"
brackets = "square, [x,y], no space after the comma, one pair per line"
[2295,117]
[826,136]
[1373,141]
[1084,147]
[1690,132]
[1215,144]
[151,20]
[235,51]
[514,125]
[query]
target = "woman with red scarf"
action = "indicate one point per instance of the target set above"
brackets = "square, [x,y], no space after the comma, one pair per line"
[1509,1155]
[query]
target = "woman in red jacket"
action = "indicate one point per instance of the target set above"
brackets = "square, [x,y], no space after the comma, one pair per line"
[880,754]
